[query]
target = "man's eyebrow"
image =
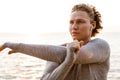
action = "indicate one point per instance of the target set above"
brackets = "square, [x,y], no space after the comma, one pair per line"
[76,19]
[79,19]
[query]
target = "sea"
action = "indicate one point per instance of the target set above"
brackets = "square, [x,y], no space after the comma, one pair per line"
[19,66]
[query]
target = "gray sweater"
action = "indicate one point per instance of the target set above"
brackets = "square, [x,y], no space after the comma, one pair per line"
[91,63]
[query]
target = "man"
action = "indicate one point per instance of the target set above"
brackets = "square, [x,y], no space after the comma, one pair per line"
[82,59]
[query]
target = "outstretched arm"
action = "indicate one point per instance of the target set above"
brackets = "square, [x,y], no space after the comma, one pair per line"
[45,52]
[96,50]
[58,71]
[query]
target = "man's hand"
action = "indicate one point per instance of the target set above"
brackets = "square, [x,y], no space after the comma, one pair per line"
[2,47]
[75,45]
[72,50]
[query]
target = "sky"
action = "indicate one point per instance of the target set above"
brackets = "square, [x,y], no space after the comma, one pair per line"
[41,16]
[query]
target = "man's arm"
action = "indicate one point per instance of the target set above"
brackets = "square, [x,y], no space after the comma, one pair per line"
[96,50]
[45,52]
[56,71]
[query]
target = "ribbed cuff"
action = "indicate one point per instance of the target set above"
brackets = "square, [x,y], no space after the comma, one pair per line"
[11,45]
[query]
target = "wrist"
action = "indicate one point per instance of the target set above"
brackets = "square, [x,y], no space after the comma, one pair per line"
[10,45]
[6,44]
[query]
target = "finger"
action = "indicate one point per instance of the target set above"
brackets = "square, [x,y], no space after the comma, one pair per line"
[75,41]
[10,52]
[81,43]
[1,48]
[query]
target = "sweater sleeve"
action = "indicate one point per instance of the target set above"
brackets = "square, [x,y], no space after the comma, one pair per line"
[96,50]
[45,52]
[55,71]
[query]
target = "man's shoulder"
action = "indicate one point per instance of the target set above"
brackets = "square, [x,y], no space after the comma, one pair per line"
[101,43]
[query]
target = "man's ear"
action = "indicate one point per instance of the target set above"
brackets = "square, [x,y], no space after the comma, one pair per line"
[93,23]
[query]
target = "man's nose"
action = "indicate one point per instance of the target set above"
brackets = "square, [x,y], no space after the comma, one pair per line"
[75,26]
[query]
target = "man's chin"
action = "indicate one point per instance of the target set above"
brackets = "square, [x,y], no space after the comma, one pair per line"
[79,39]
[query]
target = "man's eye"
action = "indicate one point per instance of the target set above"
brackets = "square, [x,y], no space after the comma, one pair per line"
[80,21]
[71,22]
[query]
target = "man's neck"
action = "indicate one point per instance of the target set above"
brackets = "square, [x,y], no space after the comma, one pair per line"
[86,40]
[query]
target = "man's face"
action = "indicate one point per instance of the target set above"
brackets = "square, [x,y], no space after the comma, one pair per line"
[80,25]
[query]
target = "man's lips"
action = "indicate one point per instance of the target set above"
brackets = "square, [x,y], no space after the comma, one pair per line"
[74,33]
